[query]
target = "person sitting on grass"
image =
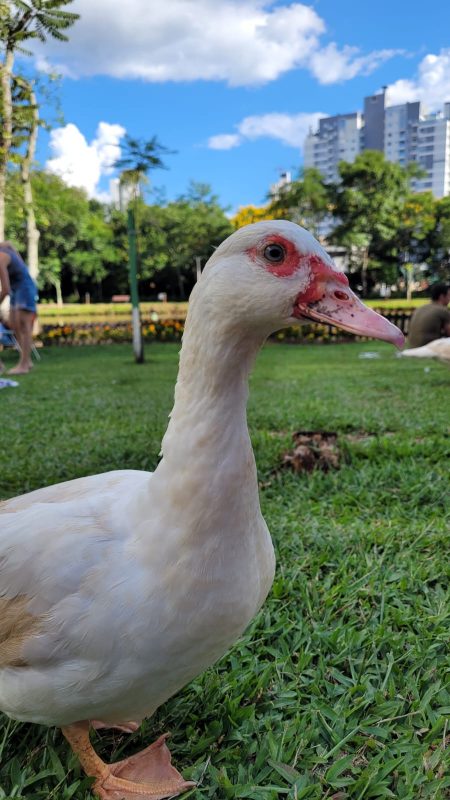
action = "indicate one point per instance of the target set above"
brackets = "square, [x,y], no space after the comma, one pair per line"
[16,281]
[431,321]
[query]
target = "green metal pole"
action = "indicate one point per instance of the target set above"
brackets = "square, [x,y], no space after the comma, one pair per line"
[136,315]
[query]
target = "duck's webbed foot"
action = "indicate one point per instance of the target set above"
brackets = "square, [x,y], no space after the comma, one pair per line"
[148,775]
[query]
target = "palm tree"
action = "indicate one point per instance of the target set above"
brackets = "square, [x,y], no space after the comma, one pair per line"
[25,128]
[21,21]
[138,159]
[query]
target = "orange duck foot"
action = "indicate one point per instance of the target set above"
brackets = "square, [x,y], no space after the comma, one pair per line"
[148,775]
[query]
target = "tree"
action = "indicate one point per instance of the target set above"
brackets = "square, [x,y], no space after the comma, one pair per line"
[95,254]
[61,212]
[21,21]
[26,121]
[305,201]
[440,241]
[78,248]
[246,215]
[173,236]
[368,203]
[417,220]
[139,158]
[83,243]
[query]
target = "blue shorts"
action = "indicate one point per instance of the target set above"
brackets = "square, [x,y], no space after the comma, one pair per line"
[24,296]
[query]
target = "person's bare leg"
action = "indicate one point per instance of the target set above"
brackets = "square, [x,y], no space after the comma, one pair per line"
[29,317]
[23,330]
[13,323]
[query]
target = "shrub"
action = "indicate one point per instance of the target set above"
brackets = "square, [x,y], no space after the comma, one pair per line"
[171,330]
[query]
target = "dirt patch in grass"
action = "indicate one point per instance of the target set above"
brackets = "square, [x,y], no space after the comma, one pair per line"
[321,450]
[313,450]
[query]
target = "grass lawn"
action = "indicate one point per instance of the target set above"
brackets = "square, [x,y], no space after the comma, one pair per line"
[70,313]
[52,314]
[340,687]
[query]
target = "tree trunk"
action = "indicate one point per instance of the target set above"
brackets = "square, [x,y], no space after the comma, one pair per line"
[180,283]
[364,270]
[32,231]
[6,132]
[59,297]
[409,279]
[57,284]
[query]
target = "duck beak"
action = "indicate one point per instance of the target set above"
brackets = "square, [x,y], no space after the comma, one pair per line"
[329,299]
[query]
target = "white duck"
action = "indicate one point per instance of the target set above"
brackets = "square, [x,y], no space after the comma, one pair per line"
[117,589]
[438,348]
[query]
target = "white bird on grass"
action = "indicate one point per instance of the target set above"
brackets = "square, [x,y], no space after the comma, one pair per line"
[118,589]
[438,348]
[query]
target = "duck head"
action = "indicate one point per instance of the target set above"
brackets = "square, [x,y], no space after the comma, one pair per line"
[274,274]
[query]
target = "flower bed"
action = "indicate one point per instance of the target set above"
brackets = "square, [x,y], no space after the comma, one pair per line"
[78,334]
[106,333]
[313,332]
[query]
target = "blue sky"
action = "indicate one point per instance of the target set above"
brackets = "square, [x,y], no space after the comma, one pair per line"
[231,85]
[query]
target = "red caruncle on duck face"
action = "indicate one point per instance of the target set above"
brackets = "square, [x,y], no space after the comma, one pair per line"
[326,297]
[279,255]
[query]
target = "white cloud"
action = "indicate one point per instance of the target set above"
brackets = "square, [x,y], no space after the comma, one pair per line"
[242,42]
[42,64]
[431,86]
[82,164]
[224,141]
[331,65]
[290,129]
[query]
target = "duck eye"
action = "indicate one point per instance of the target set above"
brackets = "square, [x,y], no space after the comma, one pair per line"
[274,253]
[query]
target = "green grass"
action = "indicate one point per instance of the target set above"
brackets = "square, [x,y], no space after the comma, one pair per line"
[50,313]
[340,688]
[400,302]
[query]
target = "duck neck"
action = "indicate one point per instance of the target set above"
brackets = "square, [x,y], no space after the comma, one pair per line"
[207,474]
[208,419]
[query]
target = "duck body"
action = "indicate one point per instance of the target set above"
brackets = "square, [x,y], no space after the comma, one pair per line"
[148,577]
[120,628]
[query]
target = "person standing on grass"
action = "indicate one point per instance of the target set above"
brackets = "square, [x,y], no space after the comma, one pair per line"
[16,281]
[431,321]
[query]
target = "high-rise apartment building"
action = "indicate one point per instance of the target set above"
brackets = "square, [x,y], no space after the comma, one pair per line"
[338,139]
[405,133]
[432,152]
[373,131]
[400,132]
